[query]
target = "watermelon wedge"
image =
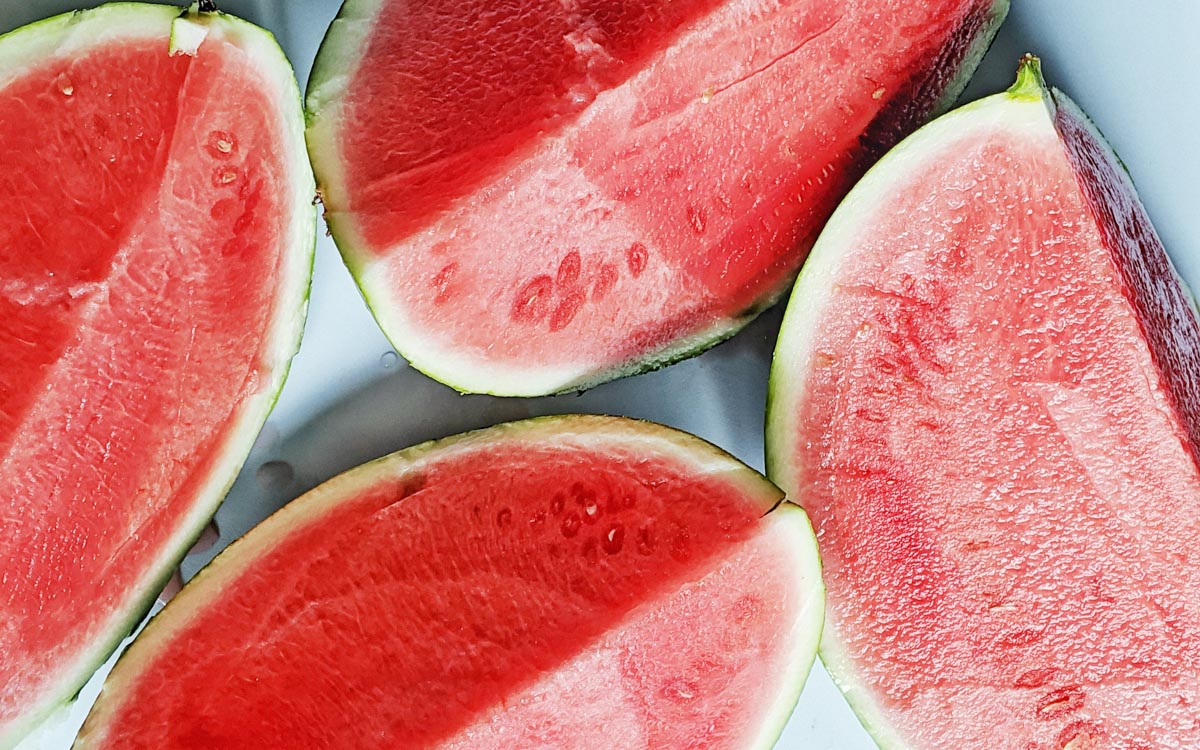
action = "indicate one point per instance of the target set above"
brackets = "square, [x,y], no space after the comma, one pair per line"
[565,582]
[540,196]
[155,253]
[987,396]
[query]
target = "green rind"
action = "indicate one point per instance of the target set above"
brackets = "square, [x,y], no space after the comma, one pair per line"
[38,40]
[644,438]
[784,385]
[337,60]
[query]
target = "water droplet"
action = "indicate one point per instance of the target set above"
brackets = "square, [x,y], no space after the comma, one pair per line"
[532,300]
[591,512]
[566,310]
[646,539]
[503,518]
[222,144]
[636,257]
[275,476]
[697,218]
[389,360]
[568,269]
[707,95]
[571,524]
[614,539]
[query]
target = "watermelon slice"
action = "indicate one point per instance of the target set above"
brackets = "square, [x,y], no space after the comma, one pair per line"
[566,582]
[155,252]
[542,196]
[987,396]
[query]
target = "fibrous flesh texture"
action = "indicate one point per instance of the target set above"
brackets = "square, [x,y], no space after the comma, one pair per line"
[536,196]
[985,395]
[571,582]
[154,254]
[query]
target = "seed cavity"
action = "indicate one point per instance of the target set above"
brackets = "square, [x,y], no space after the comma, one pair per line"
[222,144]
[568,269]
[1060,702]
[566,310]
[614,539]
[532,301]
[697,218]
[606,279]
[570,525]
[503,518]
[636,257]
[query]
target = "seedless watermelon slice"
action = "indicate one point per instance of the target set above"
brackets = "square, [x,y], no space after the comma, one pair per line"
[542,195]
[986,395]
[155,249]
[566,582]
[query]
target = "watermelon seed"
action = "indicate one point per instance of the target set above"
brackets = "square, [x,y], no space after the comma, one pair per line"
[223,176]
[221,144]
[570,525]
[614,539]
[65,85]
[504,517]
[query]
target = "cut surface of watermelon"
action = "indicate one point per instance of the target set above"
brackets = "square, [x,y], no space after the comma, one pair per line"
[154,260]
[567,582]
[985,395]
[539,196]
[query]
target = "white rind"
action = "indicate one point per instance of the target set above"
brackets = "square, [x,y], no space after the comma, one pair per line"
[72,34]
[1007,112]
[613,435]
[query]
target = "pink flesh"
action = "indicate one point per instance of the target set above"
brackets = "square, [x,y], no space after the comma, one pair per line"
[136,265]
[1000,461]
[408,614]
[626,178]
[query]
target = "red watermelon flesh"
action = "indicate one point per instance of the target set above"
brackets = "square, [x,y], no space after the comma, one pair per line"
[154,257]
[538,196]
[572,582]
[985,395]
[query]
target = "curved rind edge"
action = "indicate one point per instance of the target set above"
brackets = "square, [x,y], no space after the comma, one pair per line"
[579,429]
[806,306]
[66,32]
[322,112]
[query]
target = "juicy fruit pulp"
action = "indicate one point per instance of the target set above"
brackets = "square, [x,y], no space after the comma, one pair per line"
[985,396]
[540,196]
[564,582]
[153,267]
